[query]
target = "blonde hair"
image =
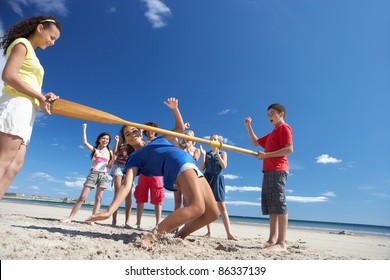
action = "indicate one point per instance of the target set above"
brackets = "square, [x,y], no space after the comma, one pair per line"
[218,136]
[189,133]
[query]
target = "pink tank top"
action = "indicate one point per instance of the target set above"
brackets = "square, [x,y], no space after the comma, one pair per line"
[100,161]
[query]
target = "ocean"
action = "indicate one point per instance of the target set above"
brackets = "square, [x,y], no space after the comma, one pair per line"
[297,224]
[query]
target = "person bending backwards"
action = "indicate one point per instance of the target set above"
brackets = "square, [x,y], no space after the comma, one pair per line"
[178,168]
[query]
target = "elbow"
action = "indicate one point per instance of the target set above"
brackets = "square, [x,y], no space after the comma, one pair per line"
[290,149]
[6,77]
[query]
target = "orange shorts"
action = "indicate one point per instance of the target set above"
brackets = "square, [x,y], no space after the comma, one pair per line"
[154,184]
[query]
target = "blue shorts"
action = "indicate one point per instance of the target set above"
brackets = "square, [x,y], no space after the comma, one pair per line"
[118,169]
[273,193]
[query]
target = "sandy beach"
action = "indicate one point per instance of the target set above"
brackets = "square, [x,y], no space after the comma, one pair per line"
[34,232]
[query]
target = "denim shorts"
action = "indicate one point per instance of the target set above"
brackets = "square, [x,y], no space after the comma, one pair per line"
[273,193]
[189,165]
[96,178]
[118,169]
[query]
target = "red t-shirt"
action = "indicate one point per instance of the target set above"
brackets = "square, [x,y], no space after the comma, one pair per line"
[273,141]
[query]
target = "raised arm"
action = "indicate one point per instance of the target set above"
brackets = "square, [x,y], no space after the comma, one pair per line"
[116,146]
[251,133]
[173,104]
[85,140]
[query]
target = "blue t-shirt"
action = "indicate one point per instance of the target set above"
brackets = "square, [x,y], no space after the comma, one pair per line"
[160,158]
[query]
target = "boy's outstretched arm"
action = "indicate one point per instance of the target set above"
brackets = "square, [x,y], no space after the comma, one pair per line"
[286,150]
[173,104]
[118,199]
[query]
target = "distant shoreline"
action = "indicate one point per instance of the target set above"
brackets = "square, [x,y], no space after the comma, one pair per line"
[33,231]
[42,198]
[330,227]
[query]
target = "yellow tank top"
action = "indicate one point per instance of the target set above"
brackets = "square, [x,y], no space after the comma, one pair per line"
[31,72]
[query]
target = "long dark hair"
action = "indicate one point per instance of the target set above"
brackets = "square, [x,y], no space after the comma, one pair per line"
[24,28]
[97,143]
[129,148]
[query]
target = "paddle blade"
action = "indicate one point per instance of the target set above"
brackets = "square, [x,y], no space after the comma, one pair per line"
[74,110]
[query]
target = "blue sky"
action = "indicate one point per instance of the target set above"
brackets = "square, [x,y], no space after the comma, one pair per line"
[327,61]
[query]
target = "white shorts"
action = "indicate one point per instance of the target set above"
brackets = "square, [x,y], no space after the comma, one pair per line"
[190,165]
[17,116]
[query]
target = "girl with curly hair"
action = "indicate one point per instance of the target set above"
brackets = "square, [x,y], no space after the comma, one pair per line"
[22,92]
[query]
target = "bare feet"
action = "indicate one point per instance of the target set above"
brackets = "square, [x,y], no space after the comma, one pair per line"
[147,241]
[128,226]
[207,234]
[276,248]
[232,237]
[266,244]
[66,221]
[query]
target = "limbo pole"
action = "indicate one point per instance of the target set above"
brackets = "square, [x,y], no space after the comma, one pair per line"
[74,110]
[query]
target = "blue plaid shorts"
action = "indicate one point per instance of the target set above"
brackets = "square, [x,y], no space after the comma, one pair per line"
[273,193]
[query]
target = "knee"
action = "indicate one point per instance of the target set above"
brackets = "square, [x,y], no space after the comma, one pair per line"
[198,210]
[16,166]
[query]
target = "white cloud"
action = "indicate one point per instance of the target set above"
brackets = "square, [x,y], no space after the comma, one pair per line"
[224,140]
[325,159]
[245,203]
[231,176]
[13,187]
[329,194]
[45,176]
[45,6]
[157,12]
[227,111]
[111,10]
[242,189]
[78,182]
[366,187]
[303,199]
[35,188]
